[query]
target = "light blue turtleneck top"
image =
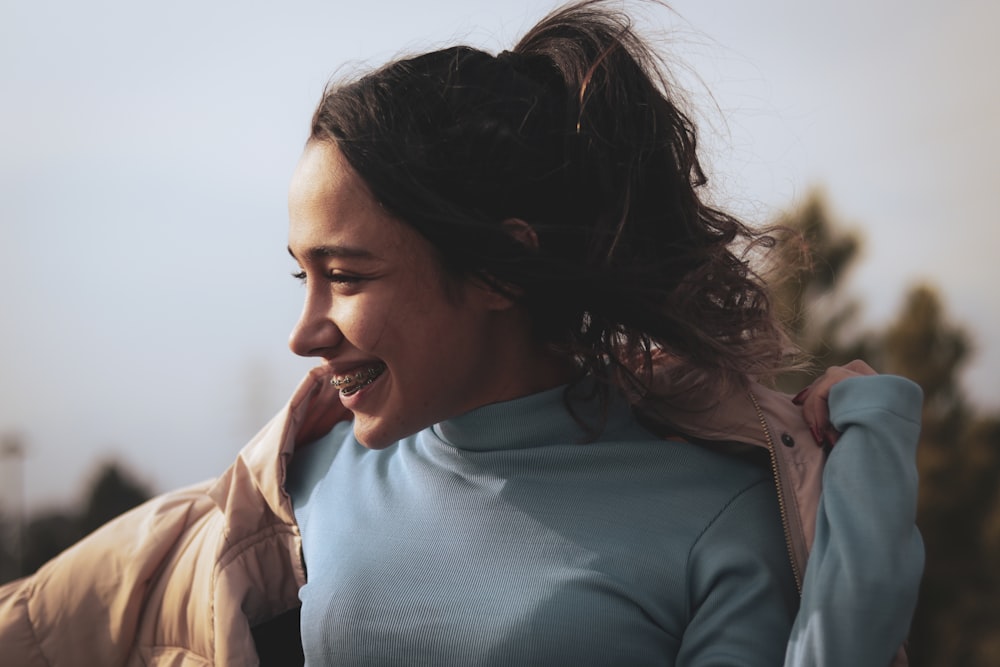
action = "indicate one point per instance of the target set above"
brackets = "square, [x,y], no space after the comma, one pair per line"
[502,537]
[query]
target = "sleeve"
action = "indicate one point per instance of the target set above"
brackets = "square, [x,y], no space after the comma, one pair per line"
[82,607]
[861,582]
[17,634]
[742,592]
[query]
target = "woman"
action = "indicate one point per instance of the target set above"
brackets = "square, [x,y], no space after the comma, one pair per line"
[527,443]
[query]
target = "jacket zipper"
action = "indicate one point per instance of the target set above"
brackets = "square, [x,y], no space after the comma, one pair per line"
[783,510]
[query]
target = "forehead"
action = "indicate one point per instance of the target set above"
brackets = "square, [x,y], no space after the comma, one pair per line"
[329,203]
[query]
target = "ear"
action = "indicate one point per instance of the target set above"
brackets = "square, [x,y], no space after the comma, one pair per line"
[489,298]
[521,232]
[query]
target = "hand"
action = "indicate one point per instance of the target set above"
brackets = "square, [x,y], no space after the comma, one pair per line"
[813,400]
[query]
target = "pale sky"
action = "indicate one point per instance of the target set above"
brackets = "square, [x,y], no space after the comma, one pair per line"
[145,152]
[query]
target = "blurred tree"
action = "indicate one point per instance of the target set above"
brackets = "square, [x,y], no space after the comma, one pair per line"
[959,461]
[958,613]
[111,492]
[11,505]
[47,535]
[11,554]
[811,264]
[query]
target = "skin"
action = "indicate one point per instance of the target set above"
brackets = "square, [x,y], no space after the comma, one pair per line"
[813,399]
[376,298]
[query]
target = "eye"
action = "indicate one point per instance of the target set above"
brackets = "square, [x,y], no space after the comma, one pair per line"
[333,277]
[344,278]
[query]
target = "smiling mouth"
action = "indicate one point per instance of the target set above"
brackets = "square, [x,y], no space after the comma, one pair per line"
[355,382]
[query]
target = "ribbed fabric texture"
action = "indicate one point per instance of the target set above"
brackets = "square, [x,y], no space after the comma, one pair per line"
[497,538]
[864,571]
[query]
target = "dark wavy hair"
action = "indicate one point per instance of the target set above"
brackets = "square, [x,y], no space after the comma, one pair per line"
[576,132]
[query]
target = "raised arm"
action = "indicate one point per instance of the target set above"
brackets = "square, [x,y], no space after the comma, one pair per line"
[864,571]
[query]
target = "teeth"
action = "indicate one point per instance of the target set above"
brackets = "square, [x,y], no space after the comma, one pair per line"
[351,384]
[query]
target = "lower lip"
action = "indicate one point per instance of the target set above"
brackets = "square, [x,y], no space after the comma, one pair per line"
[350,401]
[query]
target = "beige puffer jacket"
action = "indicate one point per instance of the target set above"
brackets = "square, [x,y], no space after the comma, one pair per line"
[182,579]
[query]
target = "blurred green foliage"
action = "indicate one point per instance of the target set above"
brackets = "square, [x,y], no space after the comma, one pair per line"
[110,492]
[957,621]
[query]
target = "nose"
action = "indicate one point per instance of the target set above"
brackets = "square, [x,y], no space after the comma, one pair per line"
[315,334]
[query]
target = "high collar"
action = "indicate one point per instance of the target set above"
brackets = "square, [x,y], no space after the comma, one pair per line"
[562,415]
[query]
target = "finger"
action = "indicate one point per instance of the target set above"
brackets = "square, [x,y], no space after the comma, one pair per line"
[815,407]
[860,367]
[800,397]
[817,416]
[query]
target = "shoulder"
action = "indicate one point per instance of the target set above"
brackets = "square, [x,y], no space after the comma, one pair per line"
[311,462]
[682,487]
[105,580]
[727,492]
[714,471]
[737,492]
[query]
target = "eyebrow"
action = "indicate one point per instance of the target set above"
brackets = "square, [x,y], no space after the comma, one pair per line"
[337,251]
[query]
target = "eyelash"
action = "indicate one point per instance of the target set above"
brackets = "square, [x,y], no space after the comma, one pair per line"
[342,278]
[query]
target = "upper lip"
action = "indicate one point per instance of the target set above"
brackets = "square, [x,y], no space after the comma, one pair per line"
[348,368]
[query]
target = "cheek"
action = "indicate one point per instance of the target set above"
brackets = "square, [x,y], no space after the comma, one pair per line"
[368,322]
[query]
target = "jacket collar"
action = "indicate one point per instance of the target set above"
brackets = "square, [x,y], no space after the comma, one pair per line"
[258,475]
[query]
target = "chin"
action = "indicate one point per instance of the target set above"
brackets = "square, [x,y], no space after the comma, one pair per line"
[371,438]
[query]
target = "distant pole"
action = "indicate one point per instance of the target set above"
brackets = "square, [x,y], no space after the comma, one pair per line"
[12,456]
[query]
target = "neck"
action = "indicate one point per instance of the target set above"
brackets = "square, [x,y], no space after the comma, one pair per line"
[528,365]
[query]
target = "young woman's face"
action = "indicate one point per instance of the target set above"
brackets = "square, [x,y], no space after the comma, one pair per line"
[404,352]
